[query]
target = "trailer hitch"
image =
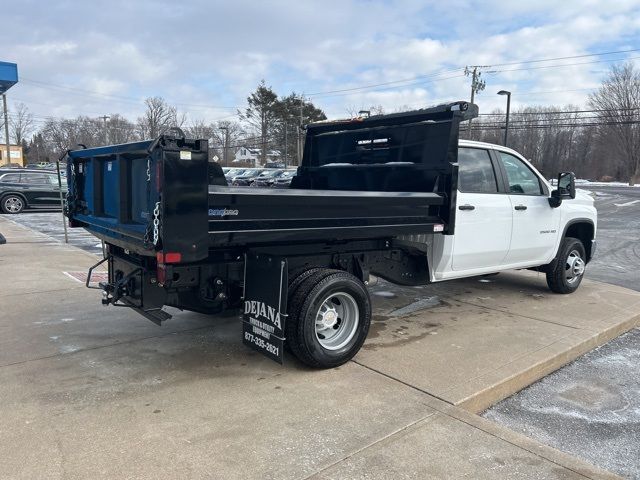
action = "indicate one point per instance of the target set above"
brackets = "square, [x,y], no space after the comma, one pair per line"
[113,292]
[122,287]
[119,292]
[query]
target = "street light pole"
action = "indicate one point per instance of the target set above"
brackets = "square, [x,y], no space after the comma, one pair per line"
[506,123]
[286,144]
[226,146]
[6,129]
[106,132]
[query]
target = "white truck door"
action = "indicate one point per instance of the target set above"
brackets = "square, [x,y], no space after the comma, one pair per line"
[535,223]
[484,216]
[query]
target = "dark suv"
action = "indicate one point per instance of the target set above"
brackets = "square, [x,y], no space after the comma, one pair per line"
[20,189]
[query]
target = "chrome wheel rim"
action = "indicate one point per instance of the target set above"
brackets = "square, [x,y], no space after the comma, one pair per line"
[337,321]
[13,204]
[574,267]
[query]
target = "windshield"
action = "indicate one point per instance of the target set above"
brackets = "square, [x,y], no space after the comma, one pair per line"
[247,173]
[272,173]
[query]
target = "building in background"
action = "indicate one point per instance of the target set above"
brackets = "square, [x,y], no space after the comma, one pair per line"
[251,156]
[16,155]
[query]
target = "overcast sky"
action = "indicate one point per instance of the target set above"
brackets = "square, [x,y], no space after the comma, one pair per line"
[95,58]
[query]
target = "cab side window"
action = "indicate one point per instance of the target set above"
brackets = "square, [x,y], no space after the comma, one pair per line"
[475,171]
[521,178]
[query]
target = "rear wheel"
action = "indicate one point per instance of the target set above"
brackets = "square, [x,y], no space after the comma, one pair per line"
[565,273]
[12,204]
[329,318]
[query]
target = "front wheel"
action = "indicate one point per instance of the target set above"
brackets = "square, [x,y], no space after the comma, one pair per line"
[12,204]
[566,271]
[329,318]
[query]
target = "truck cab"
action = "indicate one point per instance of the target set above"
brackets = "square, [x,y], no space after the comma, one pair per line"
[507,216]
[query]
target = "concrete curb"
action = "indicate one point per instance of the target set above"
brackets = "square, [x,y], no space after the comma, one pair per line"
[484,399]
[544,451]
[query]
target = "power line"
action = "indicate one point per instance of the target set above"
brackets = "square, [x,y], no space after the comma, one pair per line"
[391,88]
[416,79]
[120,98]
[456,69]
[413,79]
[551,126]
[564,58]
[559,65]
[563,112]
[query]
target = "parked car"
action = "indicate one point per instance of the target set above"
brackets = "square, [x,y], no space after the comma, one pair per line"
[246,178]
[29,188]
[43,165]
[284,180]
[233,172]
[266,178]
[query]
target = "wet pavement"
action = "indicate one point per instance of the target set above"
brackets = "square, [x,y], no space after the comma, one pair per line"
[590,408]
[617,258]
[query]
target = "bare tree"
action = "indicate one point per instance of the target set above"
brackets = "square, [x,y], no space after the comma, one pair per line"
[230,135]
[63,134]
[618,105]
[200,129]
[158,118]
[21,123]
[120,130]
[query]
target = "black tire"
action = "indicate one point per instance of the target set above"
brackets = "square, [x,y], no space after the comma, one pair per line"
[296,277]
[565,273]
[12,204]
[352,302]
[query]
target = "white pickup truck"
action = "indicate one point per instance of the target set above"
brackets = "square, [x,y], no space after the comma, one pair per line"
[508,219]
[396,196]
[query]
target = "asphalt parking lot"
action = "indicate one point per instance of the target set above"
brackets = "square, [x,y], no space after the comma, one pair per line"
[618,257]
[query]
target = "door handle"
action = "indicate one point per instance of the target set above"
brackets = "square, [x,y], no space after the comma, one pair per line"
[520,207]
[466,207]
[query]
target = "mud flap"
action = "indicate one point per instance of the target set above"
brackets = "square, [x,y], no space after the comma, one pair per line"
[265,304]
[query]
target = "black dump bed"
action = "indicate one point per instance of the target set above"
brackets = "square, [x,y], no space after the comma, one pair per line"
[378,177]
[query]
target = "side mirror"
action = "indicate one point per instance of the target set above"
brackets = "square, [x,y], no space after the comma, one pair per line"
[566,189]
[567,184]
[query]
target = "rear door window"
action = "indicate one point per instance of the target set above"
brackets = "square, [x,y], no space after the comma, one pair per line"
[36,178]
[476,174]
[10,178]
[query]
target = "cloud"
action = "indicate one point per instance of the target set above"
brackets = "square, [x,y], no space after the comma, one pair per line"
[94,58]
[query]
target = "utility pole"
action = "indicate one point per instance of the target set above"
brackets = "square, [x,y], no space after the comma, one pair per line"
[477,85]
[506,123]
[286,145]
[225,148]
[6,129]
[106,133]
[300,130]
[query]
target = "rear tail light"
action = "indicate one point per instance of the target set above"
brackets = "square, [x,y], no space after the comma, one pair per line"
[169,257]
